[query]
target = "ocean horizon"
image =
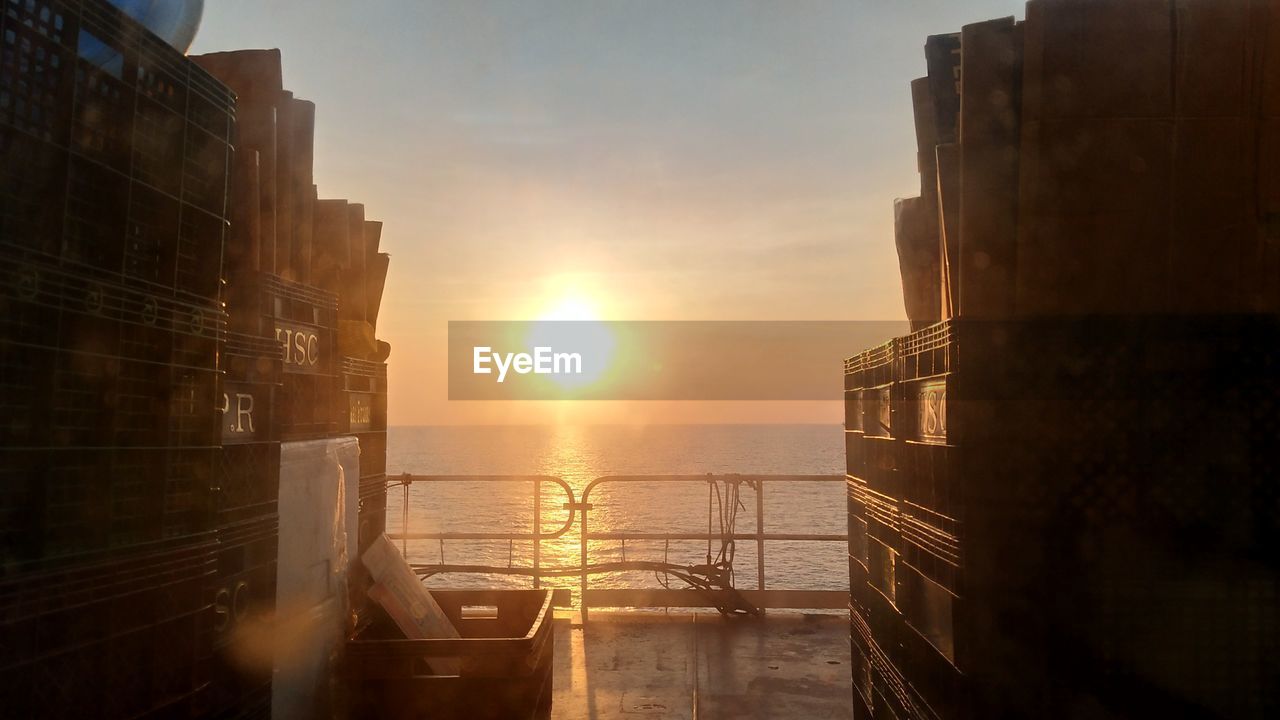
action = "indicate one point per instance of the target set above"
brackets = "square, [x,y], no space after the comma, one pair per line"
[581,453]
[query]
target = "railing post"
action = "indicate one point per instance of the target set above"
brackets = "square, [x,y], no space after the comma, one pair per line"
[582,597]
[404,521]
[537,534]
[583,507]
[760,533]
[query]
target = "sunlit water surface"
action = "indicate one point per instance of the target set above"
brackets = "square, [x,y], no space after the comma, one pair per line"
[578,455]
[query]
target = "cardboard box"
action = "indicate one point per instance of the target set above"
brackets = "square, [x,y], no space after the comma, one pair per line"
[407,601]
[1102,59]
[302,131]
[926,122]
[1269,167]
[1104,165]
[1212,68]
[1096,264]
[949,222]
[1266,45]
[942,58]
[918,260]
[1032,29]
[1214,229]
[990,131]
[1094,224]
[377,282]
[353,295]
[284,187]
[1268,215]
[330,243]
[243,251]
[256,78]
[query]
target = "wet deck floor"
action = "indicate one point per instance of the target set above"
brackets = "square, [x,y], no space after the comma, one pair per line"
[670,667]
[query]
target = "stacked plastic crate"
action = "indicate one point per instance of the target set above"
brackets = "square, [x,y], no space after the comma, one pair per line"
[304,282]
[1073,467]
[302,320]
[244,591]
[1059,486]
[280,284]
[927,569]
[874,524]
[364,397]
[350,260]
[278,368]
[112,220]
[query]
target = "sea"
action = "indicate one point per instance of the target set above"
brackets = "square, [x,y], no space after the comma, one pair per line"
[579,455]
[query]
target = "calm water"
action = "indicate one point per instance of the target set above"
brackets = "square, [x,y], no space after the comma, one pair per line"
[580,454]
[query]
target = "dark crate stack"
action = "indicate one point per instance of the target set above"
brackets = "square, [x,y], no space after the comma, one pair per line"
[244,590]
[301,361]
[364,414]
[272,289]
[244,604]
[1079,513]
[904,529]
[112,394]
[305,326]
[302,270]
[874,522]
[251,377]
[112,219]
[302,322]
[1063,174]
[122,638]
[116,151]
[279,367]
[868,381]
[1066,510]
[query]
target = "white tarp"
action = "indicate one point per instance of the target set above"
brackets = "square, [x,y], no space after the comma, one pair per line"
[319,490]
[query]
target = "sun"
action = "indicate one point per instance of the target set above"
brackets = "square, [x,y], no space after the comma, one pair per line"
[570,297]
[571,307]
[573,320]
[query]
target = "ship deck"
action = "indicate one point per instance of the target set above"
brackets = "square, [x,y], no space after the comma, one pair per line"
[654,665]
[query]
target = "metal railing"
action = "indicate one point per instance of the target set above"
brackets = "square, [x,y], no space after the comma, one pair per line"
[760,597]
[536,537]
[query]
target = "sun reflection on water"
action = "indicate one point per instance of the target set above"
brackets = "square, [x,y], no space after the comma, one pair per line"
[579,454]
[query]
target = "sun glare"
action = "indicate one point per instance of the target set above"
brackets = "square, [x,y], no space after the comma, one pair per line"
[574,296]
[571,307]
[572,319]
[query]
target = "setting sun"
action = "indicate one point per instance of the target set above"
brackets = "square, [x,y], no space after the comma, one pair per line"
[571,296]
[574,318]
[571,307]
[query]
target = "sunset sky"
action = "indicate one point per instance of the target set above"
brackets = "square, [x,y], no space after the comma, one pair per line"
[625,160]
